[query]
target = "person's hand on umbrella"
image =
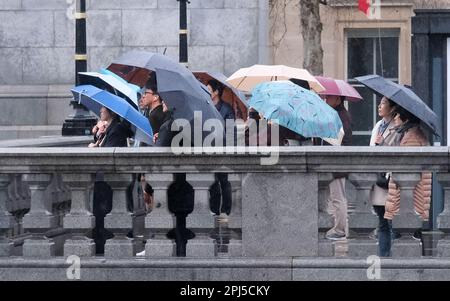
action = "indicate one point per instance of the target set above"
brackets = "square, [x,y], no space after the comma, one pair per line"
[155,137]
[379,140]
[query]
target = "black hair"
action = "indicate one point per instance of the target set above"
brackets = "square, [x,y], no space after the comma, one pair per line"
[300,82]
[151,85]
[406,116]
[148,189]
[216,86]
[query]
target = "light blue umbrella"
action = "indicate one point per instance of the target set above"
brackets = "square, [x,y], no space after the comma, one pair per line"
[105,79]
[94,98]
[295,108]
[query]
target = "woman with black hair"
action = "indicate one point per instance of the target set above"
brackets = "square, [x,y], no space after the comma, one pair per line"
[410,134]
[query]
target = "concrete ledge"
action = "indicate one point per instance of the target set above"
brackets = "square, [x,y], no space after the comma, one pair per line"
[239,269]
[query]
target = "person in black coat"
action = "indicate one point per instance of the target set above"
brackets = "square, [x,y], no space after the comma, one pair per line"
[114,135]
[151,104]
[220,190]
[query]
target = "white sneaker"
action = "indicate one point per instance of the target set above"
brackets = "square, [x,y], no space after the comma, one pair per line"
[141,253]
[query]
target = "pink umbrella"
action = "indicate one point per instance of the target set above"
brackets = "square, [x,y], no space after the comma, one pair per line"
[339,88]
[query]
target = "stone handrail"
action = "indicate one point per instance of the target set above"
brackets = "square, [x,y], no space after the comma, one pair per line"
[278,210]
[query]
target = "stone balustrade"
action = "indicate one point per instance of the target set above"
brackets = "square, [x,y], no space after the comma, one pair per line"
[46,198]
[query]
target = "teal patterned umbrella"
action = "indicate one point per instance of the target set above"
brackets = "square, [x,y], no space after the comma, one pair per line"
[295,108]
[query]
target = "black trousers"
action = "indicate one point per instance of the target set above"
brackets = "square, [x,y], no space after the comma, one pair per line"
[220,194]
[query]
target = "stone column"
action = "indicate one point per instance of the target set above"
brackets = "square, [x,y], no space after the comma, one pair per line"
[160,220]
[407,218]
[326,220]
[235,218]
[443,220]
[201,217]
[40,219]
[6,219]
[280,214]
[363,217]
[80,220]
[119,220]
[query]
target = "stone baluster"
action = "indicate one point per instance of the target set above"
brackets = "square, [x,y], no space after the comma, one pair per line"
[443,220]
[159,220]
[6,219]
[119,221]
[40,219]
[201,218]
[407,220]
[80,220]
[362,217]
[325,218]
[235,218]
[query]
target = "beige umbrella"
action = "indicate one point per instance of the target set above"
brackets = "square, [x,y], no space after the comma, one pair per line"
[246,79]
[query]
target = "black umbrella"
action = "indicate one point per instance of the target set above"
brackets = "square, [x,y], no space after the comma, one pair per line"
[184,95]
[404,97]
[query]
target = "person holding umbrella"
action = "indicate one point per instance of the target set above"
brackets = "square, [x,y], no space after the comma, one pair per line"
[410,134]
[114,132]
[220,190]
[151,104]
[412,117]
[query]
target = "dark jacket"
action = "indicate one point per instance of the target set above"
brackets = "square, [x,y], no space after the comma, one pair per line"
[225,110]
[156,118]
[116,134]
[165,133]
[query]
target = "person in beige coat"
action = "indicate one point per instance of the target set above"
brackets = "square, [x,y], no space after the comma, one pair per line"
[411,135]
[383,134]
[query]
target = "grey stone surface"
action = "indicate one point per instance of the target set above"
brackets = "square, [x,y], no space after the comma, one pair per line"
[10,67]
[235,217]
[407,218]
[64,29]
[35,112]
[235,248]
[201,217]
[150,28]
[104,28]
[207,58]
[38,248]
[121,4]
[10,4]
[48,65]
[207,31]
[361,247]
[279,214]
[159,248]
[406,247]
[362,216]
[241,4]
[237,57]
[17,26]
[58,109]
[443,219]
[47,4]
[326,248]
[160,217]
[101,57]
[120,247]
[200,247]
[79,247]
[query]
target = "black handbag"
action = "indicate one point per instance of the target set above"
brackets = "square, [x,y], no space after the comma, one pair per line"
[382,181]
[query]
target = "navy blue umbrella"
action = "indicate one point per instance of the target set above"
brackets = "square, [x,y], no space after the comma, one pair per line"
[404,97]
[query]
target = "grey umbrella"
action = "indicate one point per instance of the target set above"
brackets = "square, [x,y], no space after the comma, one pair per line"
[184,95]
[404,97]
[136,66]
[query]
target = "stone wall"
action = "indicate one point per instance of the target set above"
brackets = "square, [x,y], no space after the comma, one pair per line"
[38,36]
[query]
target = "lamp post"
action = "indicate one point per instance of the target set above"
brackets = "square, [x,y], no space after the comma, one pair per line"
[183,33]
[80,122]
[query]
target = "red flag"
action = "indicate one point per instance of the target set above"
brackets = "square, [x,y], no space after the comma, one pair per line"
[363,5]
